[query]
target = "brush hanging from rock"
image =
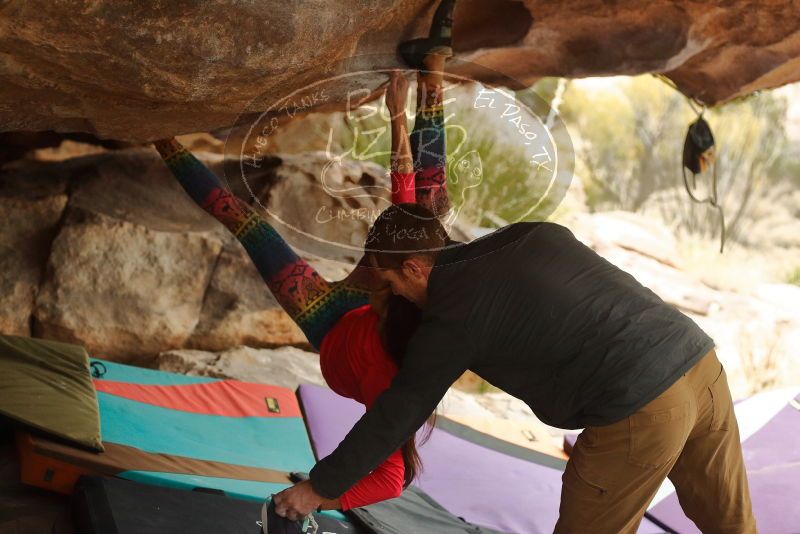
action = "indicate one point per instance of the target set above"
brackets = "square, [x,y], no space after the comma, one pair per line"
[699,156]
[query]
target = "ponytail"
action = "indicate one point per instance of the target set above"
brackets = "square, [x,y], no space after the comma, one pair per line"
[411,459]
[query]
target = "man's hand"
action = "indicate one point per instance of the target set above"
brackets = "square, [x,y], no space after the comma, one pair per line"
[298,501]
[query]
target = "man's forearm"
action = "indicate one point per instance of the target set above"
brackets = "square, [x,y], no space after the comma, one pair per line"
[396,415]
[389,423]
[330,504]
[437,355]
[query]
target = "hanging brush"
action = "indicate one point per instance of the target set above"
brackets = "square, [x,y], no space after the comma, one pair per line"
[698,156]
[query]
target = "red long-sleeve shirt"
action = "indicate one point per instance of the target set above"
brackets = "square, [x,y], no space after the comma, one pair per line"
[355,365]
[403,187]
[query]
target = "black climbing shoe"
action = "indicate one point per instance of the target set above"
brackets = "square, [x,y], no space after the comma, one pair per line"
[272,523]
[438,41]
[414,51]
[442,22]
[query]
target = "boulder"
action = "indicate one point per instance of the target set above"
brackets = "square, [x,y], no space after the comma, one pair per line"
[757,334]
[238,309]
[285,366]
[32,204]
[629,231]
[123,290]
[29,225]
[128,269]
[327,206]
[106,249]
[137,72]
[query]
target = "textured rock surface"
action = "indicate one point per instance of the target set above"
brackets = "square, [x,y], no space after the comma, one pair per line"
[122,289]
[285,366]
[239,310]
[712,50]
[646,248]
[26,233]
[132,71]
[132,267]
[322,204]
[128,269]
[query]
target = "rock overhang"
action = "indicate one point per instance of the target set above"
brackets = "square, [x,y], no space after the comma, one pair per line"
[134,72]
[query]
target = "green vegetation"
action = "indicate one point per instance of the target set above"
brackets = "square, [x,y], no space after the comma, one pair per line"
[491,179]
[628,141]
[490,175]
[794,277]
[630,145]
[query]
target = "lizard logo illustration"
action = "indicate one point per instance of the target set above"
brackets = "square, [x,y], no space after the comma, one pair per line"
[353,151]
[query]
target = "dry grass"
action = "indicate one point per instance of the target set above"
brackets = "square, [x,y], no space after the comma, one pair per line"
[738,268]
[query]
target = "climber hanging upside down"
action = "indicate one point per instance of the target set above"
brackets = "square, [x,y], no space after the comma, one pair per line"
[360,335]
[538,314]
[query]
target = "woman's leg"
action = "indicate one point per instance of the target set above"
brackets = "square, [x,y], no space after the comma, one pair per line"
[428,138]
[402,165]
[311,301]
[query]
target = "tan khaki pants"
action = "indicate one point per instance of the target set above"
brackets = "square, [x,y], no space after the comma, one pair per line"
[689,434]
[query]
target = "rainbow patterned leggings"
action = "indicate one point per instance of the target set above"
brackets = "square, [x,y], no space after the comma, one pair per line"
[428,148]
[311,301]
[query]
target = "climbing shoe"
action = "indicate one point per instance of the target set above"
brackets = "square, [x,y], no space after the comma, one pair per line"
[438,41]
[442,22]
[414,51]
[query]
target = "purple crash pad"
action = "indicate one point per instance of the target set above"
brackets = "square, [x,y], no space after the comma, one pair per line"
[484,486]
[772,460]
